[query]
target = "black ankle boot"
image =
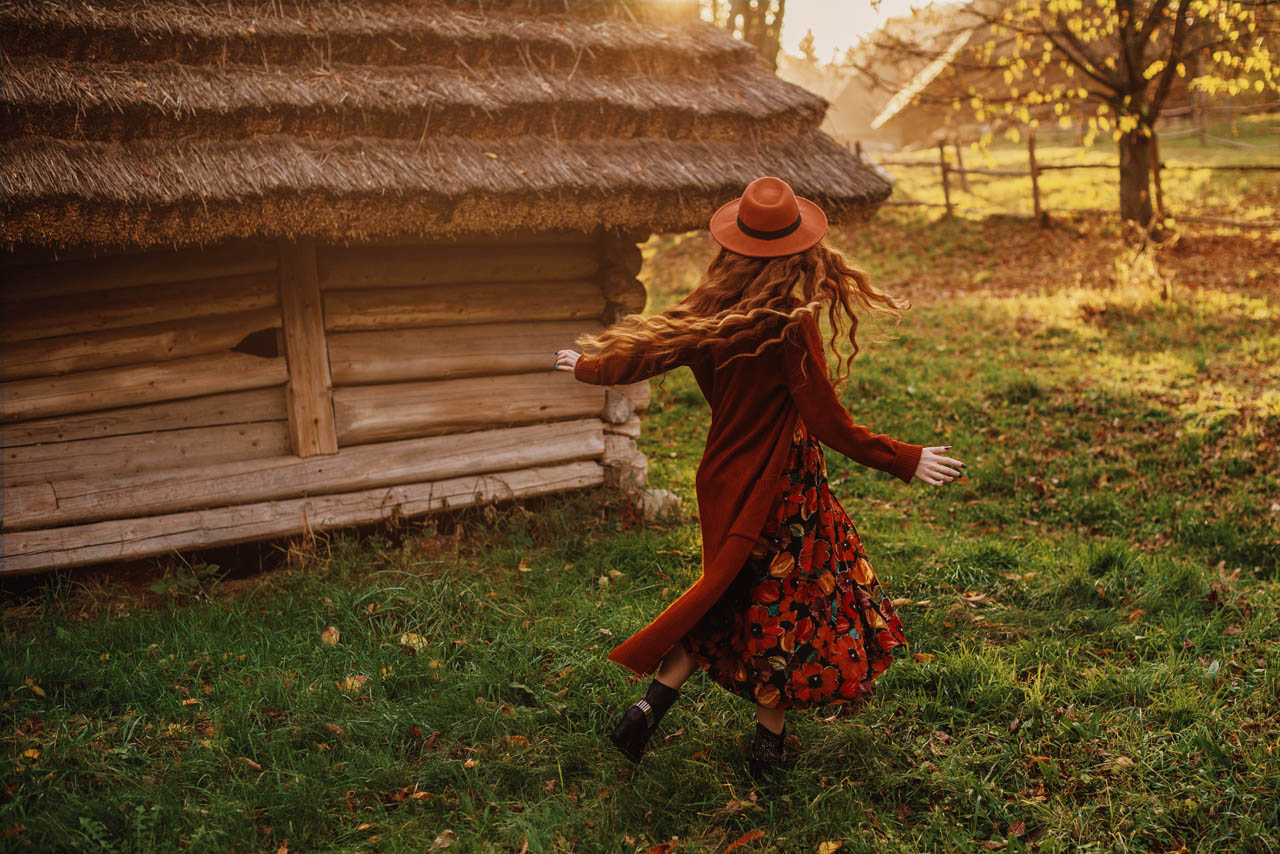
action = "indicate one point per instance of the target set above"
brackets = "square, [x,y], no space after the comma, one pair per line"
[768,752]
[641,719]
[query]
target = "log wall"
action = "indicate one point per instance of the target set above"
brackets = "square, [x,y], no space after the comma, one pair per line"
[160,401]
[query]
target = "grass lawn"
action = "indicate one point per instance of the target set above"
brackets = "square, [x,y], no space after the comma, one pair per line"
[1246,196]
[1093,613]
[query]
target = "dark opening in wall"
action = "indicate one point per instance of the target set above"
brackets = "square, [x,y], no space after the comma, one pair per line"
[263,343]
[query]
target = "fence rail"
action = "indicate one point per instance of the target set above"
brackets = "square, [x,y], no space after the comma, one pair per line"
[1033,171]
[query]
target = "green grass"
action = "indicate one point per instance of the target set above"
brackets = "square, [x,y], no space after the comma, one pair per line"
[1096,610]
[1187,192]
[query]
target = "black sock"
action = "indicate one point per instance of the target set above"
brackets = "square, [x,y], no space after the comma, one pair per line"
[660,697]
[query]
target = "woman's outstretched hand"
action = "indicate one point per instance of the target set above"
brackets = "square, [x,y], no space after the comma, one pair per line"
[935,469]
[566,359]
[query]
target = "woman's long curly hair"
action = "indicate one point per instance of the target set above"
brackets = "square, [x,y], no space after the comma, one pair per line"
[740,296]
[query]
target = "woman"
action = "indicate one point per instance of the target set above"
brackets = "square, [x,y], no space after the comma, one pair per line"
[787,612]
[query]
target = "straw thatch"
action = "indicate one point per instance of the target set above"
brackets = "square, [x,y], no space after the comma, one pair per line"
[145,123]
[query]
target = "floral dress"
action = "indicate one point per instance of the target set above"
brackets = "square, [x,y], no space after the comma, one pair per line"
[805,623]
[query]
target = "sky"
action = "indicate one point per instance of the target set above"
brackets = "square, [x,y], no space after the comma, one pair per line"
[836,24]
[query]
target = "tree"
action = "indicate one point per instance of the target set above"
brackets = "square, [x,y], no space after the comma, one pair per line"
[806,47]
[1109,65]
[756,21]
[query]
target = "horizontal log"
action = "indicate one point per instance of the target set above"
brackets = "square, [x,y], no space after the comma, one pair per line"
[154,342]
[416,266]
[364,467]
[266,404]
[381,412]
[629,427]
[167,450]
[440,352]
[118,309]
[132,385]
[638,392]
[447,305]
[131,539]
[109,272]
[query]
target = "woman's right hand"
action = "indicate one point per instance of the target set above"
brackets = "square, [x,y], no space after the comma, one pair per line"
[935,469]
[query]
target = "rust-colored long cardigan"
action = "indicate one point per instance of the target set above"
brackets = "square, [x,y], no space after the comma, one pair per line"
[754,402]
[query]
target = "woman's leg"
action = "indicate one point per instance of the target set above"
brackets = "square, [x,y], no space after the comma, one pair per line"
[771,718]
[676,667]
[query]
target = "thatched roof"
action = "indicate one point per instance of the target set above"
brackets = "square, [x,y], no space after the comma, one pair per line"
[175,122]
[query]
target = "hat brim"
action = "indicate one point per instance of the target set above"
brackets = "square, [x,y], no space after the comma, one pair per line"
[724,228]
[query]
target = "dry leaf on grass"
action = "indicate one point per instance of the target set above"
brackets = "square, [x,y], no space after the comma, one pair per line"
[923,656]
[330,635]
[745,839]
[829,847]
[444,840]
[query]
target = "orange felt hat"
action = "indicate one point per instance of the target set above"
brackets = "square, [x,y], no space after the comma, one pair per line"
[768,220]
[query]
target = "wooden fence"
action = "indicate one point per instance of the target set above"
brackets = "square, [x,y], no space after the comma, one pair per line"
[1033,171]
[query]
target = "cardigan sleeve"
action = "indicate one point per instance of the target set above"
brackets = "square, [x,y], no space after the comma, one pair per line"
[826,417]
[623,368]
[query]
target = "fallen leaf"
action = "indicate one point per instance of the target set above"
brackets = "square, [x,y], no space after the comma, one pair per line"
[900,602]
[413,641]
[336,730]
[365,826]
[284,848]
[33,753]
[605,631]
[444,840]
[330,635]
[352,684]
[699,754]
[470,763]
[923,656]
[35,689]
[190,701]
[1135,614]
[523,566]
[247,761]
[994,844]
[829,847]
[745,839]
[1016,828]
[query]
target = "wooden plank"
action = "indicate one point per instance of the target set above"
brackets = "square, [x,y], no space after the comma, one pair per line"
[154,342]
[378,413]
[131,539]
[55,278]
[74,315]
[448,305]
[309,394]
[139,452]
[441,352]
[416,266]
[93,499]
[266,404]
[132,385]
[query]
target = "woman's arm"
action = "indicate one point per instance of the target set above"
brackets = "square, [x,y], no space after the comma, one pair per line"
[826,417]
[619,368]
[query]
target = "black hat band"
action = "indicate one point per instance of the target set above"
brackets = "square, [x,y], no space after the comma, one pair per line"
[768,235]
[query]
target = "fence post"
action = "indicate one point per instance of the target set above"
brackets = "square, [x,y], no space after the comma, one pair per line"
[946,190]
[1041,216]
[964,176]
[1155,175]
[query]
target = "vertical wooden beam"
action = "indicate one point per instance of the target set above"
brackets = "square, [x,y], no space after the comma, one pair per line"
[960,170]
[312,428]
[942,161]
[1035,178]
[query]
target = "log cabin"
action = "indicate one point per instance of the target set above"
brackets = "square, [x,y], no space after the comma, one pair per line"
[271,268]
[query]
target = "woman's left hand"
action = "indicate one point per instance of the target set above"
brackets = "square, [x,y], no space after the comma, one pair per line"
[566,359]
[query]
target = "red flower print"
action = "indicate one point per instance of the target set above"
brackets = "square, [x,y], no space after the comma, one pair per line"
[847,653]
[767,592]
[804,630]
[806,554]
[763,630]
